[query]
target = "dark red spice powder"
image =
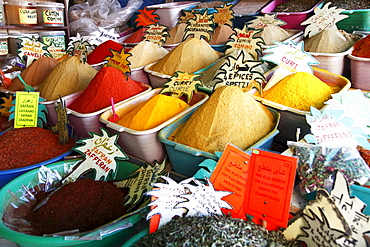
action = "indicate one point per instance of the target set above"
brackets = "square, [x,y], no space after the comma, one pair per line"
[28,146]
[136,36]
[85,205]
[102,51]
[362,48]
[108,82]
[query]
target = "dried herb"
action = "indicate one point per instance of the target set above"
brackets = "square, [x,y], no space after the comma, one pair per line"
[296,6]
[213,231]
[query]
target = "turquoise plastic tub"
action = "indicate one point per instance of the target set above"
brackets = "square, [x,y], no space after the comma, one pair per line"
[112,239]
[184,159]
[132,241]
[358,20]
[363,193]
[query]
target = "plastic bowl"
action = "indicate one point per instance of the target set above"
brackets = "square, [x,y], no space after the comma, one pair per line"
[358,19]
[359,77]
[8,175]
[293,19]
[112,239]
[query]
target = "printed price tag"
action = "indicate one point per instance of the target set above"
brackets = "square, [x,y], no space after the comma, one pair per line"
[269,186]
[231,174]
[26,109]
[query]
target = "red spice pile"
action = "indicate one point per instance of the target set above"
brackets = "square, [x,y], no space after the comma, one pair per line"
[362,48]
[108,82]
[102,51]
[28,146]
[85,205]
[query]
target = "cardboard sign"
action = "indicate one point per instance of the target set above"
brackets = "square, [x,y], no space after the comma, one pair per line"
[119,61]
[100,152]
[239,72]
[290,58]
[269,186]
[32,49]
[200,26]
[244,39]
[61,127]
[323,18]
[78,46]
[146,17]
[182,84]
[261,22]
[224,15]
[190,197]
[26,109]
[189,14]
[5,107]
[142,181]
[103,35]
[156,33]
[352,210]
[330,128]
[231,174]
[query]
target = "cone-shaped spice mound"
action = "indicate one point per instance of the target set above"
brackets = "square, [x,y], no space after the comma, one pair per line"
[108,82]
[153,112]
[228,116]
[67,77]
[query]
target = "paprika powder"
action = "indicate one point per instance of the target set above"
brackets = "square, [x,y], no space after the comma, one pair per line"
[22,147]
[108,82]
[362,48]
[102,51]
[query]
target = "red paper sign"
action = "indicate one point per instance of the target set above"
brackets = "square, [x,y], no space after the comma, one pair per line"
[231,174]
[146,17]
[269,186]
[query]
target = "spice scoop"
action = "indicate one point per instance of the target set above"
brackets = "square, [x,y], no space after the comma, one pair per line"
[114,118]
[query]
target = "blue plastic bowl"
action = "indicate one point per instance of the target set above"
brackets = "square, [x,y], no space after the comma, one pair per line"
[8,175]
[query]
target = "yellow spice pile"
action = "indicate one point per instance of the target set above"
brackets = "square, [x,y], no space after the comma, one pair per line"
[300,91]
[228,116]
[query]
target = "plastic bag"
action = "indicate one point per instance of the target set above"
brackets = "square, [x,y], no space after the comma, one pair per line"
[87,17]
[317,164]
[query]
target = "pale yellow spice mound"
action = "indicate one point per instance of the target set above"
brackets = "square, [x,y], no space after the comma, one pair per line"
[145,53]
[228,116]
[274,33]
[191,55]
[300,91]
[67,77]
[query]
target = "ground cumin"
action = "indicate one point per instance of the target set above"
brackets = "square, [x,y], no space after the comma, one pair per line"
[228,116]
[300,90]
[153,112]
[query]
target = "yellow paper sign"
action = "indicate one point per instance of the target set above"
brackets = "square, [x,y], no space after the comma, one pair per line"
[26,109]
[224,15]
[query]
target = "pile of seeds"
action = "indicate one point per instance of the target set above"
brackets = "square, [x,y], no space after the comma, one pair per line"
[296,6]
[215,231]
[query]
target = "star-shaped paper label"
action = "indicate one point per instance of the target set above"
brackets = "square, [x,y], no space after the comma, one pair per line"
[146,17]
[103,35]
[323,18]
[79,46]
[319,232]
[6,105]
[190,197]
[290,58]
[100,152]
[244,39]
[261,22]
[32,49]
[200,26]
[61,127]
[56,51]
[352,210]
[119,61]
[142,181]
[189,14]
[236,71]
[182,83]
[156,33]
[330,128]
[224,15]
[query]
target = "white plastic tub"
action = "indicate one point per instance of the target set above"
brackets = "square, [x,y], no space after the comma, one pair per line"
[359,68]
[144,144]
[89,122]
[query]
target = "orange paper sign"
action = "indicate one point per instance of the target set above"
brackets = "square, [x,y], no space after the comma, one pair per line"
[269,186]
[146,17]
[231,175]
